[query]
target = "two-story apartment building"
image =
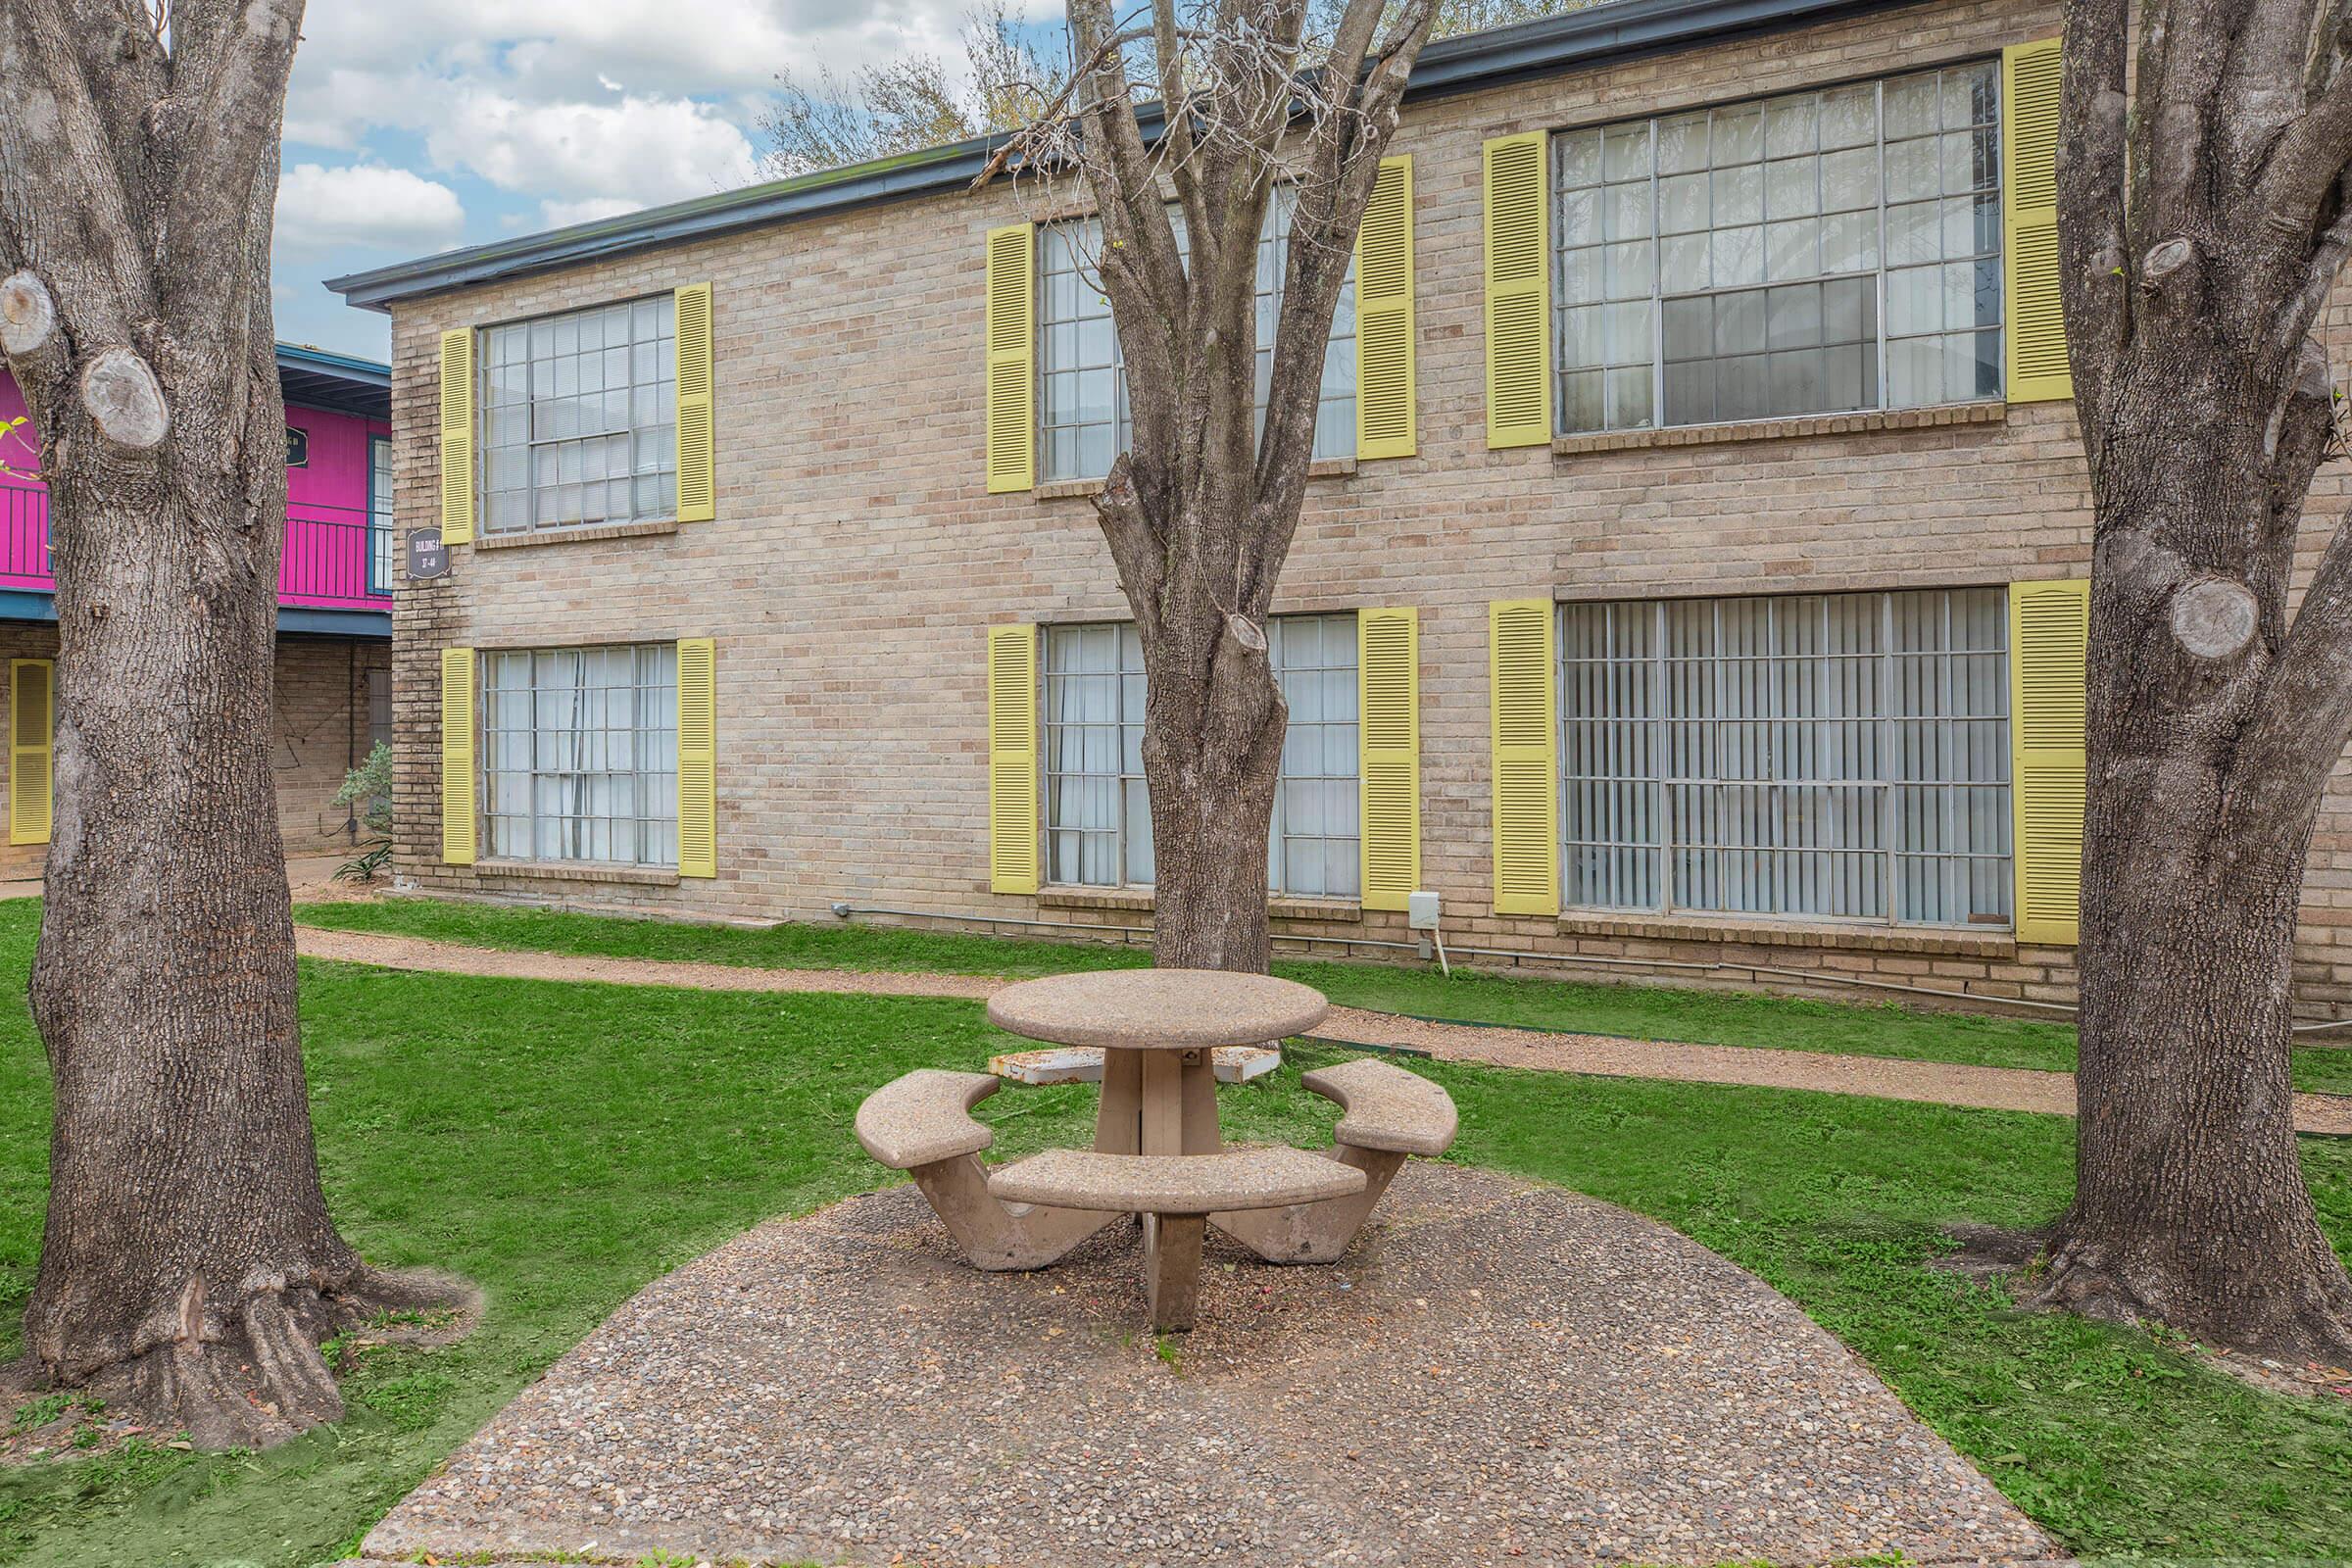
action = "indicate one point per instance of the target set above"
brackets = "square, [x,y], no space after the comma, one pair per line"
[334,615]
[1690,585]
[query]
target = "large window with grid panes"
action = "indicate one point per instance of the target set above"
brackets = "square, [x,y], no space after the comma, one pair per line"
[1817,252]
[580,754]
[1082,380]
[579,417]
[1841,756]
[1097,812]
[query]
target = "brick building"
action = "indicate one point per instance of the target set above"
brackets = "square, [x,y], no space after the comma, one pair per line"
[1702,587]
[334,603]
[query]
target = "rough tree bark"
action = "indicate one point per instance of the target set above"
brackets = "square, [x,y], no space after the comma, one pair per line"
[189,1267]
[2205,215]
[1201,510]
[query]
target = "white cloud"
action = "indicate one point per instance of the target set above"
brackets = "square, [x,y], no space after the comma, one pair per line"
[364,204]
[562,214]
[635,153]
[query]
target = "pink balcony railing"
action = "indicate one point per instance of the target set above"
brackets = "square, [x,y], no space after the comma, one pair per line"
[329,563]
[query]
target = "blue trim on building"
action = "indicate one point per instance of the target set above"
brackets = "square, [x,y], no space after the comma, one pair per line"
[367,625]
[1603,34]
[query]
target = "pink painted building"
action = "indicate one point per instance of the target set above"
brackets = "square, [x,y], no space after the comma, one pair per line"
[334,601]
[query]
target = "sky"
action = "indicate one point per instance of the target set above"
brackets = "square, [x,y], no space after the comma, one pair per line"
[417,127]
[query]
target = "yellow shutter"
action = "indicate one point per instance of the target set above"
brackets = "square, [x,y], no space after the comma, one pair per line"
[31,732]
[2049,636]
[1012,759]
[698,438]
[457,436]
[1388,688]
[457,756]
[1384,317]
[1011,347]
[1518,293]
[2036,331]
[1527,793]
[698,757]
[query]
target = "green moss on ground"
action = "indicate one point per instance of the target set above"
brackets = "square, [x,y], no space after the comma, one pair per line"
[564,1144]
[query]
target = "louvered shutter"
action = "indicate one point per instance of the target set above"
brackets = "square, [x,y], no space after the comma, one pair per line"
[457,436]
[2050,639]
[31,740]
[2030,85]
[698,757]
[1527,795]
[1384,317]
[1011,347]
[1387,680]
[698,426]
[1518,293]
[1013,759]
[458,785]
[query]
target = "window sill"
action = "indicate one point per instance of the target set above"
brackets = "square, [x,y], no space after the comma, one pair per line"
[1070,489]
[564,536]
[1811,425]
[1138,901]
[649,876]
[1991,943]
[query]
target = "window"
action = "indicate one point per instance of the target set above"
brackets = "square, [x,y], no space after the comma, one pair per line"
[1098,817]
[380,549]
[579,417]
[580,749]
[1082,402]
[1841,756]
[380,708]
[1818,252]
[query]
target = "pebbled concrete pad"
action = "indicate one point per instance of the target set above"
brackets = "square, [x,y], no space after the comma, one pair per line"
[1498,1372]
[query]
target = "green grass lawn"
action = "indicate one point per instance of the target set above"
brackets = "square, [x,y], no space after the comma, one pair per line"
[564,1144]
[1527,1000]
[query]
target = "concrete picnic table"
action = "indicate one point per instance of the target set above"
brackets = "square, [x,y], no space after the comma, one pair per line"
[1157,1150]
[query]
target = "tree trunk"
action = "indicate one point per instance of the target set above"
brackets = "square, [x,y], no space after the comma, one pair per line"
[1212,754]
[189,1268]
[2190,1204]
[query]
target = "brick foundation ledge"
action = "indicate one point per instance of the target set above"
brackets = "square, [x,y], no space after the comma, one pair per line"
[1131,901]
[1933,940]
[649,876]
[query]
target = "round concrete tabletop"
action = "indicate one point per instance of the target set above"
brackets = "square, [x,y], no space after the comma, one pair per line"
[1156,1009]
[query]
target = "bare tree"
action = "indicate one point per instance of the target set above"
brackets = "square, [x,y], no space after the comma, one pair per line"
[910,103]
[2205,212]
[922,101]
[1200,509]
[189,1268]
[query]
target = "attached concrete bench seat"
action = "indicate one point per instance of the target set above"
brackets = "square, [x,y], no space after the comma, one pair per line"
[1386,1107]
[925,1118]
[1175,1184]
[1387,1114]
[922,1124]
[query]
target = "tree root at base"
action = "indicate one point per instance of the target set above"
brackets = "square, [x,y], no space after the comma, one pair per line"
[259,1378]
[2297,1321]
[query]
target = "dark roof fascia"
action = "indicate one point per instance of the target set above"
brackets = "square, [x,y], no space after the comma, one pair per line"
[318,379]
[1607,33]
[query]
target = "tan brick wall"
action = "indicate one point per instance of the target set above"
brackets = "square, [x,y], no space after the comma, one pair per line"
[320,733]
[857,557]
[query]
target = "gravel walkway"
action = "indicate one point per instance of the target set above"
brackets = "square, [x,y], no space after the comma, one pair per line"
[1933,1083]
[1500,1372]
